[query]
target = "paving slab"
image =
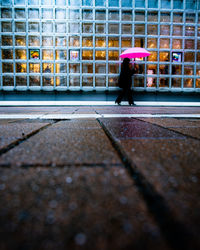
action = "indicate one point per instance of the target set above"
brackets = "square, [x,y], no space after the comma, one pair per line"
[63,143]
[74,208]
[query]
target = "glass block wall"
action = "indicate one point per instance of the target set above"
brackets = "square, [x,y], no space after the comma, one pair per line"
[75,44]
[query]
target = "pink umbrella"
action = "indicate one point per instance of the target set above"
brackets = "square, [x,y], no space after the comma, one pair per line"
[135,53]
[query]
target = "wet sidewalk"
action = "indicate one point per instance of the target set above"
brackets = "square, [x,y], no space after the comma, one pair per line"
[72,180]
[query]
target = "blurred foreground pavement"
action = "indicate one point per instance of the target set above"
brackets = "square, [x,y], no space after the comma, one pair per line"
[99,183]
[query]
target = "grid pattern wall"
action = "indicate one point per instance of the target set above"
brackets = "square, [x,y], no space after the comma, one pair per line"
[75,44]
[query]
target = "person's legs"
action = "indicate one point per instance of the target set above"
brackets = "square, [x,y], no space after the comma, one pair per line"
[129,95]
[120,96]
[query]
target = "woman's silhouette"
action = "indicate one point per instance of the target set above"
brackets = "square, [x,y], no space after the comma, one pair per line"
[125,81]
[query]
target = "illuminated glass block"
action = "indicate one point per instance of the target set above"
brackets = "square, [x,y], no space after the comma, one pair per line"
[20,67]
[61,68]
[176,82]
[20,54]
[87,68]
[126,42]
[152,57]
[47,41]
[87,41]
[113,3]
[113,68]
[47,81]
[165,17]
[176,69]
[189,57]
[164,69]
[19,2]
[20,41]
[113,55]
[34,68]
[164,43]
[152,16]
[47,54]
[100,55]
[74,2]
[34,41]
[100,42]
[61,81]
[164,82]
[87,54]
[127,3]
[113,42]
[33,2]
[152,29]
[188,83]
[189,44]
[47,68]
[7,41]
[113,81]
[74,41]
[61,55]
[139,29]
[164,30]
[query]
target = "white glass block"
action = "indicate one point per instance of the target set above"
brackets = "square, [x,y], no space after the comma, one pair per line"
[60,28]
[47,13]
[33,27]
[46,2]
[60,14]
[6,13]
[87,15]
[20,27]
[6,27]
[33,2]
[60,2]
[20,13]
[47,27]
[19,2]
[74,27]
[47,41]
[33,13]
[74,14]
[60,41]
[74,2]
[33,41]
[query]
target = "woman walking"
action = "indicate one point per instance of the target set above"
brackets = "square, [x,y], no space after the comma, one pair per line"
[125,81]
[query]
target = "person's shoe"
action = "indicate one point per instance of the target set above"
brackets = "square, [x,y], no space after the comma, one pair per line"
[118,103]
[131,103]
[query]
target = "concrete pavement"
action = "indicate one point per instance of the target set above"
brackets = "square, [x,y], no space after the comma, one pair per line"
[100,183]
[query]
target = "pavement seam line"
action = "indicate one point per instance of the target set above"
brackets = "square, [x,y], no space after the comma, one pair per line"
[24,138]
[176,234]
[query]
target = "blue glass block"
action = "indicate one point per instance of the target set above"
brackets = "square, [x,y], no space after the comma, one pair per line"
[191,4]
[87,2]
[153,4]
[166,4]
[140,3]
[178,4]
[113,3]
[127,3]
[20,2]
[100,2]
[6,2]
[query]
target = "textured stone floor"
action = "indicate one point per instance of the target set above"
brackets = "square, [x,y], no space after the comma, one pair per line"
[105,184]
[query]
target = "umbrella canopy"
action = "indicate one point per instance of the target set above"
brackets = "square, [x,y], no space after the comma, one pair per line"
[135,53]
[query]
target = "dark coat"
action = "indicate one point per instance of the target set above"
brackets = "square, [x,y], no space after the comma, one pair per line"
[125,78]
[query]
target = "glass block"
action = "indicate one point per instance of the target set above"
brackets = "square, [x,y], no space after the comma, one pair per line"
[139,29]
[74,81]
[176,44]
[164,43]
[6,2]
[6,27]
[60,2]
[87,81]
[188,70]
[166,4]
[176,82]
[113,68]
[74,28]
[21,81]
[100,68]
[190,30]
[198,44]
[7,54]
[100,15]
[74,41]
[178,4]
[20,27]
[20,41]
[74,68]
[47,13]
[61,55]
[189,44]
[151,82]
[198,56]
[47,54]
[87,15]
[189,57]
[74,14]
[197,83]
[47,81]
[74,2]
[87,41]
[60,14]
[140,3]
[33,2]
[113,15]
[61,81]
[113,81]
[100,42]
[60,28]
[100,81]
[20,54]
[188,83]
[164,56]
[165,17]
[7,67]
[61,41]
[34,68]
[190,17]
[34,80]
[87,28]
[100,3]
[152,29]
[87,68]
[113,28]
[8,81]
[20,13]
[19,2]
[7,41]
[100,55]
[152,3]
[177,30]
[100,28]
[34,41]
[87,54]
[164,69]
[33,13]
[127,29]
[127,3]
[6,13]
[164,30]
[113,42]
[153,56]
[191,4]
[198,31]
[47,27]
[113,55]
[140,68]
[61,68]
[139,42]
[47,68]
[138,82]
[113,3]
[178,17]
[33,27]
[47,41]
[139,16]
[151,69]
[164,82]
[126,15]
[126,42]
[87,2]
[152,16]
[152,43]
[176,69]
[46,2]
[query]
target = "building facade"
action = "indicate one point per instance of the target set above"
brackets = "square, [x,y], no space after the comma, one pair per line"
[75,44]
